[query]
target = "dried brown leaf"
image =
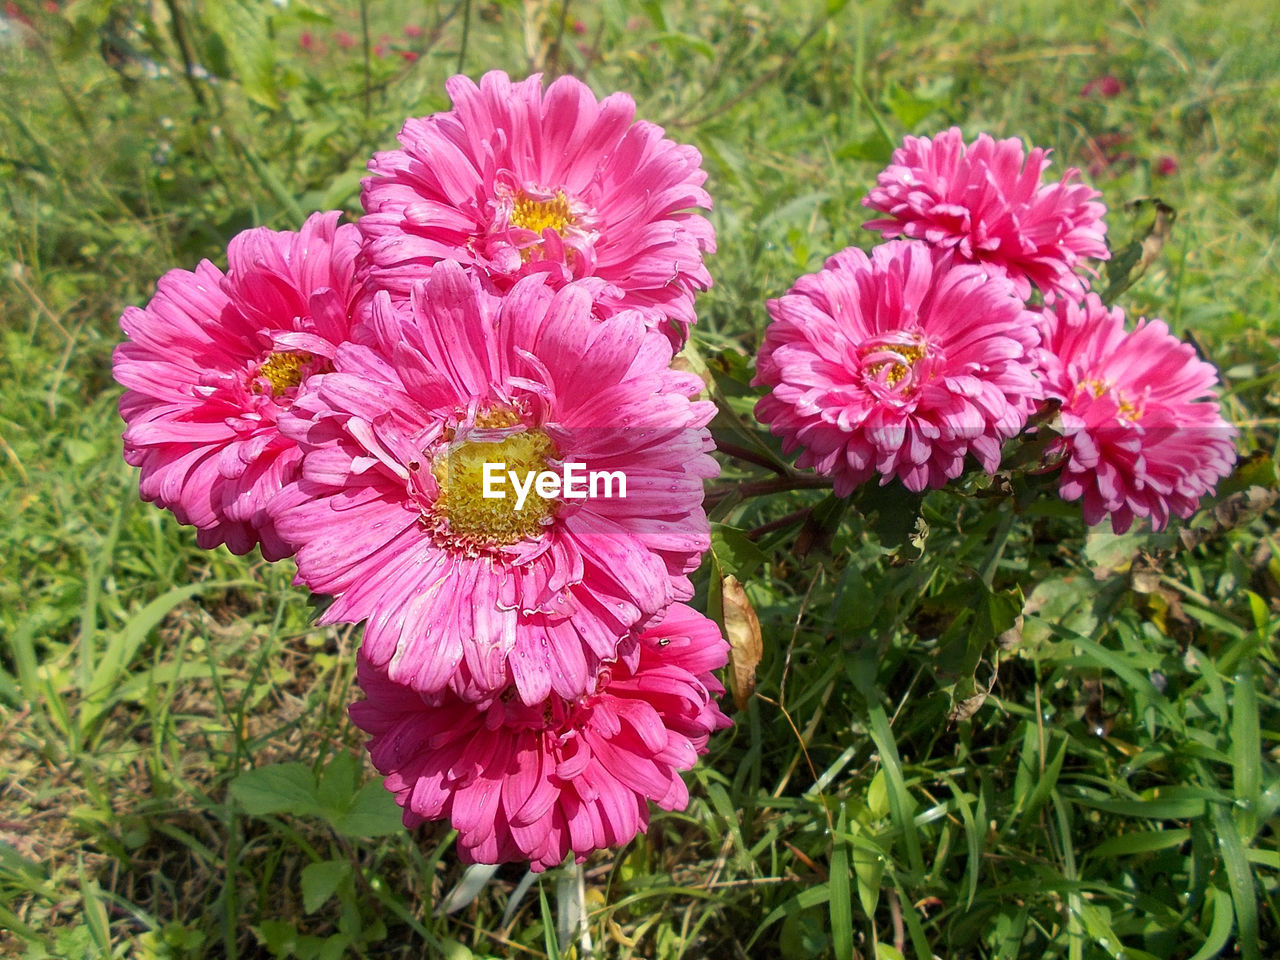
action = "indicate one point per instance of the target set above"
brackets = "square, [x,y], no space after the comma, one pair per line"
[746,645]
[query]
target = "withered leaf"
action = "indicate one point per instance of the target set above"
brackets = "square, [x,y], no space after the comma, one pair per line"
[746,646]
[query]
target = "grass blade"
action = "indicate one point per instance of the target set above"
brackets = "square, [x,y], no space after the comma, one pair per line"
[1219,927]
[901,804]
[841,904]
[1240,880]
[1246,752]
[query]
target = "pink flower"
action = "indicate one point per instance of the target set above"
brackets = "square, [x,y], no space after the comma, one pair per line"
[1140,437]
[476,592]
[986,201]
[514,181]
[1106,87]
[1167,166]
[211,363]
[523,782]
[898,364]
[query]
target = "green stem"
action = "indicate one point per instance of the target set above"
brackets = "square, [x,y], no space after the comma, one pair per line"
[757,488]
[1001,536]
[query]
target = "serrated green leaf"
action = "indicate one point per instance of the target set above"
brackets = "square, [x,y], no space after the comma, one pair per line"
[321,880]
[279,788]
[279,936]
[338,781]
[373,813]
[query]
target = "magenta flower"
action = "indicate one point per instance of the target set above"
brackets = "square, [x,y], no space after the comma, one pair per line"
[898,364]
[477,592]
[1140,435]
[213,360]
[1106,87]
[515,181]
[986,201]
[534,782]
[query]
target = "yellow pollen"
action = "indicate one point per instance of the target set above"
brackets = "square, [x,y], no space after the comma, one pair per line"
[475,520]
[1126,410]
[284,370]
[897,369]
[537,215]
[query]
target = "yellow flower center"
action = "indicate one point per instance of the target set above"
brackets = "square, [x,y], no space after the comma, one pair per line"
[1127,410]
[284,370]
[475,520]
[537,215]
[899,365]
[889,364]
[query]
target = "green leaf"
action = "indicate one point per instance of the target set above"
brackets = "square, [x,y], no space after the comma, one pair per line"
[373,813]
[279,788]
[841,906]
[908,108]
[321,880]
[1156,808]
[1246,751]
[873,148]
[1244,896]
[1046,780]
[901,804]
[1219,926]
[249,45]
[812,897]
[280,937]
[1126,267]
[893,510]
[548,926]
[338,782]
[974,840]
[680,44]
[1119,664]
[734,552]
[124,646]
[1139,841]
[868,869]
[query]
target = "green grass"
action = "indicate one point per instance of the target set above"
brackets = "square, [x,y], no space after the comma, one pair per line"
[1114,792]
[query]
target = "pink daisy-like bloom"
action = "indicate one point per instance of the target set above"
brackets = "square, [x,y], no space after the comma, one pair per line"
[1142,436]
[523,782]
[986,201]
[898,364]
[472,591]
[514,181]
[213,360]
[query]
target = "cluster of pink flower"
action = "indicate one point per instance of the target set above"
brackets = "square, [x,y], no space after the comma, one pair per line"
[525,268]
[902,362]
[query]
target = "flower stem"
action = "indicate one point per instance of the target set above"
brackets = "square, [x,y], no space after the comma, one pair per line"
[999,538]
[757,488]
[750,456]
